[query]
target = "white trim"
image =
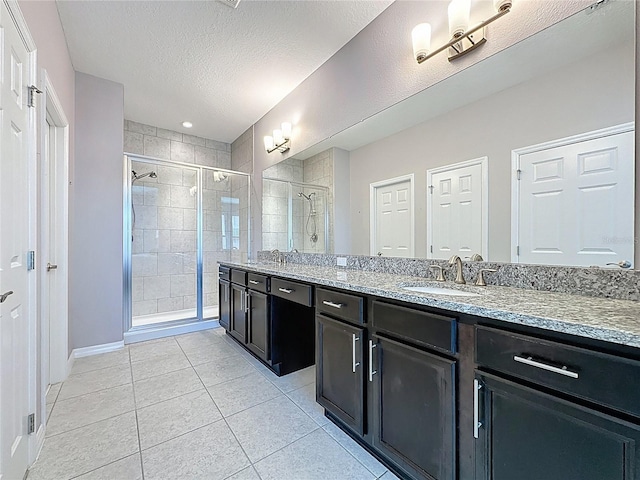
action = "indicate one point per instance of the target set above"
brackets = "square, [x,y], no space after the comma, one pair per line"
[484,165]
[21,24]
[561,142]
[372,210]
[70,362]
[97,349]
[144,334]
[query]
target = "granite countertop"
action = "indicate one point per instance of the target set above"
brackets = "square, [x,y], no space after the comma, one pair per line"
[616,321]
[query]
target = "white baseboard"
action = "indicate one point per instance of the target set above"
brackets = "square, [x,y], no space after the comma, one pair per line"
[97,349]
[152,333]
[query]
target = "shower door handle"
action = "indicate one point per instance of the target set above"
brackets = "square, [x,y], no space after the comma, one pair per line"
[51,266]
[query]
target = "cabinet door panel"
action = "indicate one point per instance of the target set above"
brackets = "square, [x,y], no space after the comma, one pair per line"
[238,313]
[224,300]
[338,388]
[258,335]
[530,435]
[414,408]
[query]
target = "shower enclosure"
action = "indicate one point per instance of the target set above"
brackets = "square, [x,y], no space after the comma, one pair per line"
[179,221]
[295,216]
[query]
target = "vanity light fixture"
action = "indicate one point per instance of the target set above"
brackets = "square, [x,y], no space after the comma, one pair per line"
[280,140]
[187,124]
[464,39]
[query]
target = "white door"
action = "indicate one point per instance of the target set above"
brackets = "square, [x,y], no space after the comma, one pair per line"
[457,210]
[14,241]
[576,203]
[392,223]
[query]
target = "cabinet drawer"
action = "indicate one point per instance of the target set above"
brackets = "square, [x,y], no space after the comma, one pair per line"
[593,376]
[258,282]
[294,291]
[223,272]
[416,326]
[341,305]
[239,277]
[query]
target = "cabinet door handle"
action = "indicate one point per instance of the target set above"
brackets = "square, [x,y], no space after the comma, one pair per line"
[372,372]
[476,408]
[550,368]
[253,282]
[331,304]
[353,352]
[246,302]
[285,290]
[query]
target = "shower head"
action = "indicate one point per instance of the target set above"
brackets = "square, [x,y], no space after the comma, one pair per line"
[308,197]
[135,176]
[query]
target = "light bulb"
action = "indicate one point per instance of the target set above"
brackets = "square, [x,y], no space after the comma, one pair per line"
[187,124]
[268,142]
[286,130]
[459,17]
[277,136]
[502,4]
[421,37]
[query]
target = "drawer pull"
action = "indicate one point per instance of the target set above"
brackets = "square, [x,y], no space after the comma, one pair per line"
[530,361]
[353,350]
[372,372]
[253,282]
[476,408]
[331,304]
[286,290]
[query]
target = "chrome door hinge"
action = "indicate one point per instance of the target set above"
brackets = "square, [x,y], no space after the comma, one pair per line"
[31,260]
[431,189]
[31,423]
[518,250]
[33,90]
[519,174]
[431,247]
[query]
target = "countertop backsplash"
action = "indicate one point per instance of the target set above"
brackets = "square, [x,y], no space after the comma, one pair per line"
[591,282]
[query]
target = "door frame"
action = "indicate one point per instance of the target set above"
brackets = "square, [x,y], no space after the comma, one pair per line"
[561,142]
[54,354]
[484,165]
[373,189]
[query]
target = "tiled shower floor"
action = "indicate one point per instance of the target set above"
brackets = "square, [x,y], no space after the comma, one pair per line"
[194,406]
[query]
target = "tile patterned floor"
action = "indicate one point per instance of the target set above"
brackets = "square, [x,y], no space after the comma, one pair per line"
[194,406]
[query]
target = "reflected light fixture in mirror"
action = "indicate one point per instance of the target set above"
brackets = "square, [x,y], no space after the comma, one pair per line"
[463,38]
[280,140]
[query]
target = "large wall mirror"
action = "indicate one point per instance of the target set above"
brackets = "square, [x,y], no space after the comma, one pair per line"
[524,157]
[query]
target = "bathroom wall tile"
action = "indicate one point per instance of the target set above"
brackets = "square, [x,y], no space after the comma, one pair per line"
[156,241]
[170,134]
[172,304]
[189,219]
[144,264]
[189,178]
[182,152]
[137,243]
[157,147]
[170,264]
[182,197]
[193,140]
[183,241]
[209,283]
[146,216]
[157,287]
[139,127]
[211,241]
[137,289]
[190,301]
[224,160]
[183,285]
[224,147]
[157,194]
[210,200]
[170,218]
[210,299]
[170,175]
[189,262]
[206,156]
[133,143]
[212,220]
[145,307]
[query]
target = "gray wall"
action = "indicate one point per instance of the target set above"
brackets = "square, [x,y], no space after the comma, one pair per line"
[588,95]
[95,240]
[341,201]
[376,69]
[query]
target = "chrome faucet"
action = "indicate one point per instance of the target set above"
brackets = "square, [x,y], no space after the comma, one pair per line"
[458,263]
[278,257]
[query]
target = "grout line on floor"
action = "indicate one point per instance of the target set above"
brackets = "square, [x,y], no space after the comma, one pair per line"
[102,466]
[135,406]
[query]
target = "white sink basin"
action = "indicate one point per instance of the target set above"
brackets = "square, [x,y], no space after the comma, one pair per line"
[441,291]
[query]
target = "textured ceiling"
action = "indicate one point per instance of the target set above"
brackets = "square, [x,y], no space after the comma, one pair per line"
[218,67]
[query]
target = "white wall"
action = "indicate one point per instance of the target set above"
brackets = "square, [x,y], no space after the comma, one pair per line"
[95,240]
[376,69]
[588,95]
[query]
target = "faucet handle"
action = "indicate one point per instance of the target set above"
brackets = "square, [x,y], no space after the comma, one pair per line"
[480,281]
[440,277]
[476,257]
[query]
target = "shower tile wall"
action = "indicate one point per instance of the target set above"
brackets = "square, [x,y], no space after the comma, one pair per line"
[318,170]
[164,238]
[242,161]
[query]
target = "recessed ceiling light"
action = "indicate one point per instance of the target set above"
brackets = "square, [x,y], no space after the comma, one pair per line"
[187,124]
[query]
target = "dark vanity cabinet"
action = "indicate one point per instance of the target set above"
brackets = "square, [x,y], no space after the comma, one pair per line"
[224,297]
[549,422]
[414,401]
[259,316]
[239,305]
[340,362]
